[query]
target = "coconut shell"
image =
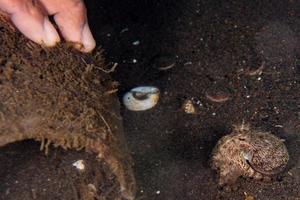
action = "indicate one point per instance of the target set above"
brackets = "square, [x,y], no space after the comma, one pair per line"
[64,98]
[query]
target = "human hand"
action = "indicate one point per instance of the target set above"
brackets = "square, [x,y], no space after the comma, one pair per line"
[31,18]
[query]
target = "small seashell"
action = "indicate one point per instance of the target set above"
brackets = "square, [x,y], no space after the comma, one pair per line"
[141,98]
[249,153]
[217,94]
[188,107]
[191,105]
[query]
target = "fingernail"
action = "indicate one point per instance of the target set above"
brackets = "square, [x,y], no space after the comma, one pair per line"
[88,40]
[51,37]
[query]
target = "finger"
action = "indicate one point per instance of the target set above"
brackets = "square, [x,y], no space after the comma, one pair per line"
[71,19]
[29,19]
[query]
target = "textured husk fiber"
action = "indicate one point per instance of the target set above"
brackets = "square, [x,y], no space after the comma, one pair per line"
[63,98]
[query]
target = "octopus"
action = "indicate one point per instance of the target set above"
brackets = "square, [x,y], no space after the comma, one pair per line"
[250,154]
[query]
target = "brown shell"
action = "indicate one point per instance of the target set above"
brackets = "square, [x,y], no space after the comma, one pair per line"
[249,153]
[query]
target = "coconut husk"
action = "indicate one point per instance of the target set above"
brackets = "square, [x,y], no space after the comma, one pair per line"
[61,97]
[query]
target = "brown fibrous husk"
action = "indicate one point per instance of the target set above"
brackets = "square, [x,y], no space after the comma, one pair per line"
[61,97]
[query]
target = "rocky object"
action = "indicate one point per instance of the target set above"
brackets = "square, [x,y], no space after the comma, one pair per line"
[249,153]
[63,98]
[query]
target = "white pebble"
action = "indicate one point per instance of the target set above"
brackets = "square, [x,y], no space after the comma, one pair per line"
[79,164]
[135,43]
[188,63]
[124,30]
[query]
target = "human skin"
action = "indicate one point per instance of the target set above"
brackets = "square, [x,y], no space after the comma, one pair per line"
[31,17]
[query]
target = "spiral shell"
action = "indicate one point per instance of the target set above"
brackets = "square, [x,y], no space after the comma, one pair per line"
[141,98]
[249,153]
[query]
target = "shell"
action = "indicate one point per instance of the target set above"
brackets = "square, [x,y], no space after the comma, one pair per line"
[188,107]
[141,98]
[191,105]
[249,153]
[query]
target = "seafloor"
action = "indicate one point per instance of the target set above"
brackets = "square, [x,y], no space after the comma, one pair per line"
[246,50]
